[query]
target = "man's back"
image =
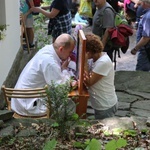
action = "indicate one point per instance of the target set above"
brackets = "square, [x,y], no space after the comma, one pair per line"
[43,68]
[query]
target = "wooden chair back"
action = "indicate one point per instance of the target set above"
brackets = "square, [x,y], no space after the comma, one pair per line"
[24,93]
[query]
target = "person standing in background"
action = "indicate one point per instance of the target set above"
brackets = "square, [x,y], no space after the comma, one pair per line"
[60,17]
[28,17]
[134,6]
[143,39]
[114,4]
[103,20]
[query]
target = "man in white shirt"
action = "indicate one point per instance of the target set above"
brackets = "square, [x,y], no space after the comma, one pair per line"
[49,64]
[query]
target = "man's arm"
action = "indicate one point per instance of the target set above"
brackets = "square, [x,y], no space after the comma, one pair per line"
[143,41]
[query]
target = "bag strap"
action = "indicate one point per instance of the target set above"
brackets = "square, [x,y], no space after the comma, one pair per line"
[105,10]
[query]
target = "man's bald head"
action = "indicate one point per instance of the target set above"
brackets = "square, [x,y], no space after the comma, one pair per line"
[64,45]
[64,40]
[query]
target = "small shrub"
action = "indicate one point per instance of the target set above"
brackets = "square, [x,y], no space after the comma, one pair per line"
[62,108]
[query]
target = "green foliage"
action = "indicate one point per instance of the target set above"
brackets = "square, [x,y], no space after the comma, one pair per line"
[130,133]
[79,145]
[2,31]
[62,108]
[50,145]
[47,2]
[115,131]
[115,144]
[95,144]
[92,144]
[40,29]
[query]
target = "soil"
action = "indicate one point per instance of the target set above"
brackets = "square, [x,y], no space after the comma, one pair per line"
[96,133]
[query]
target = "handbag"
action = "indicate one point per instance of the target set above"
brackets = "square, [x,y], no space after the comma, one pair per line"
[85,8]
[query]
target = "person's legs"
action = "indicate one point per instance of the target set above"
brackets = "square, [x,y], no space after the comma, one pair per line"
[30,31]
[143,63]
[30,34]
[102,114]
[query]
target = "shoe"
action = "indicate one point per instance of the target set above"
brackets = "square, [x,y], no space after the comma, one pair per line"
[25,47]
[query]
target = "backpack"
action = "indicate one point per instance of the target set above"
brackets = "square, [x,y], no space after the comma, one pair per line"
[121,32]
[119,35]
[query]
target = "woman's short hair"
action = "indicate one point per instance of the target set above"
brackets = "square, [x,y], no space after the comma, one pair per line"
[93,43]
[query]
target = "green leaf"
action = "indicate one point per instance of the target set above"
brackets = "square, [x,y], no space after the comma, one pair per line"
[121,143]
[74,116]
[79,145]
[130,132]
[50,145]
[55,124]
[94,145]
[117,131]
[111,145]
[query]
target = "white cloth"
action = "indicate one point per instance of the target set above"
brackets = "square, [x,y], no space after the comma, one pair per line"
[102,93]
[43,68]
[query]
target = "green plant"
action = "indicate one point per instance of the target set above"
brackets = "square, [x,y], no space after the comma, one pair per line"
[40,29]
[92,144]
[46,2]
[95,144]
[3,28]
[116,144]
[50,145]
[62,108]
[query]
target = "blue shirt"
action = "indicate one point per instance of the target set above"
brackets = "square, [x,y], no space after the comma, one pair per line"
[144,27]
[24,8]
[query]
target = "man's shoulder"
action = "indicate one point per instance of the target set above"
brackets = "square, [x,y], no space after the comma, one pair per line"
[108,8]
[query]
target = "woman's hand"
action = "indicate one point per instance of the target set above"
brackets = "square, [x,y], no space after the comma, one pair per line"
[35,9]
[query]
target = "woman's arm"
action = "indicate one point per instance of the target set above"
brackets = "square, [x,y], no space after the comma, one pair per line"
[90,78]
[52,14]
[45,7]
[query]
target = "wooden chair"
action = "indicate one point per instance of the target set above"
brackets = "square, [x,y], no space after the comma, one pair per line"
[24,93]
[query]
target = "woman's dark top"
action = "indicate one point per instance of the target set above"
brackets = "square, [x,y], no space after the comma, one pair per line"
[62,22]
[62,5]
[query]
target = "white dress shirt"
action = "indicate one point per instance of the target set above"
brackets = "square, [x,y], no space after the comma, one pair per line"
[43,68]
